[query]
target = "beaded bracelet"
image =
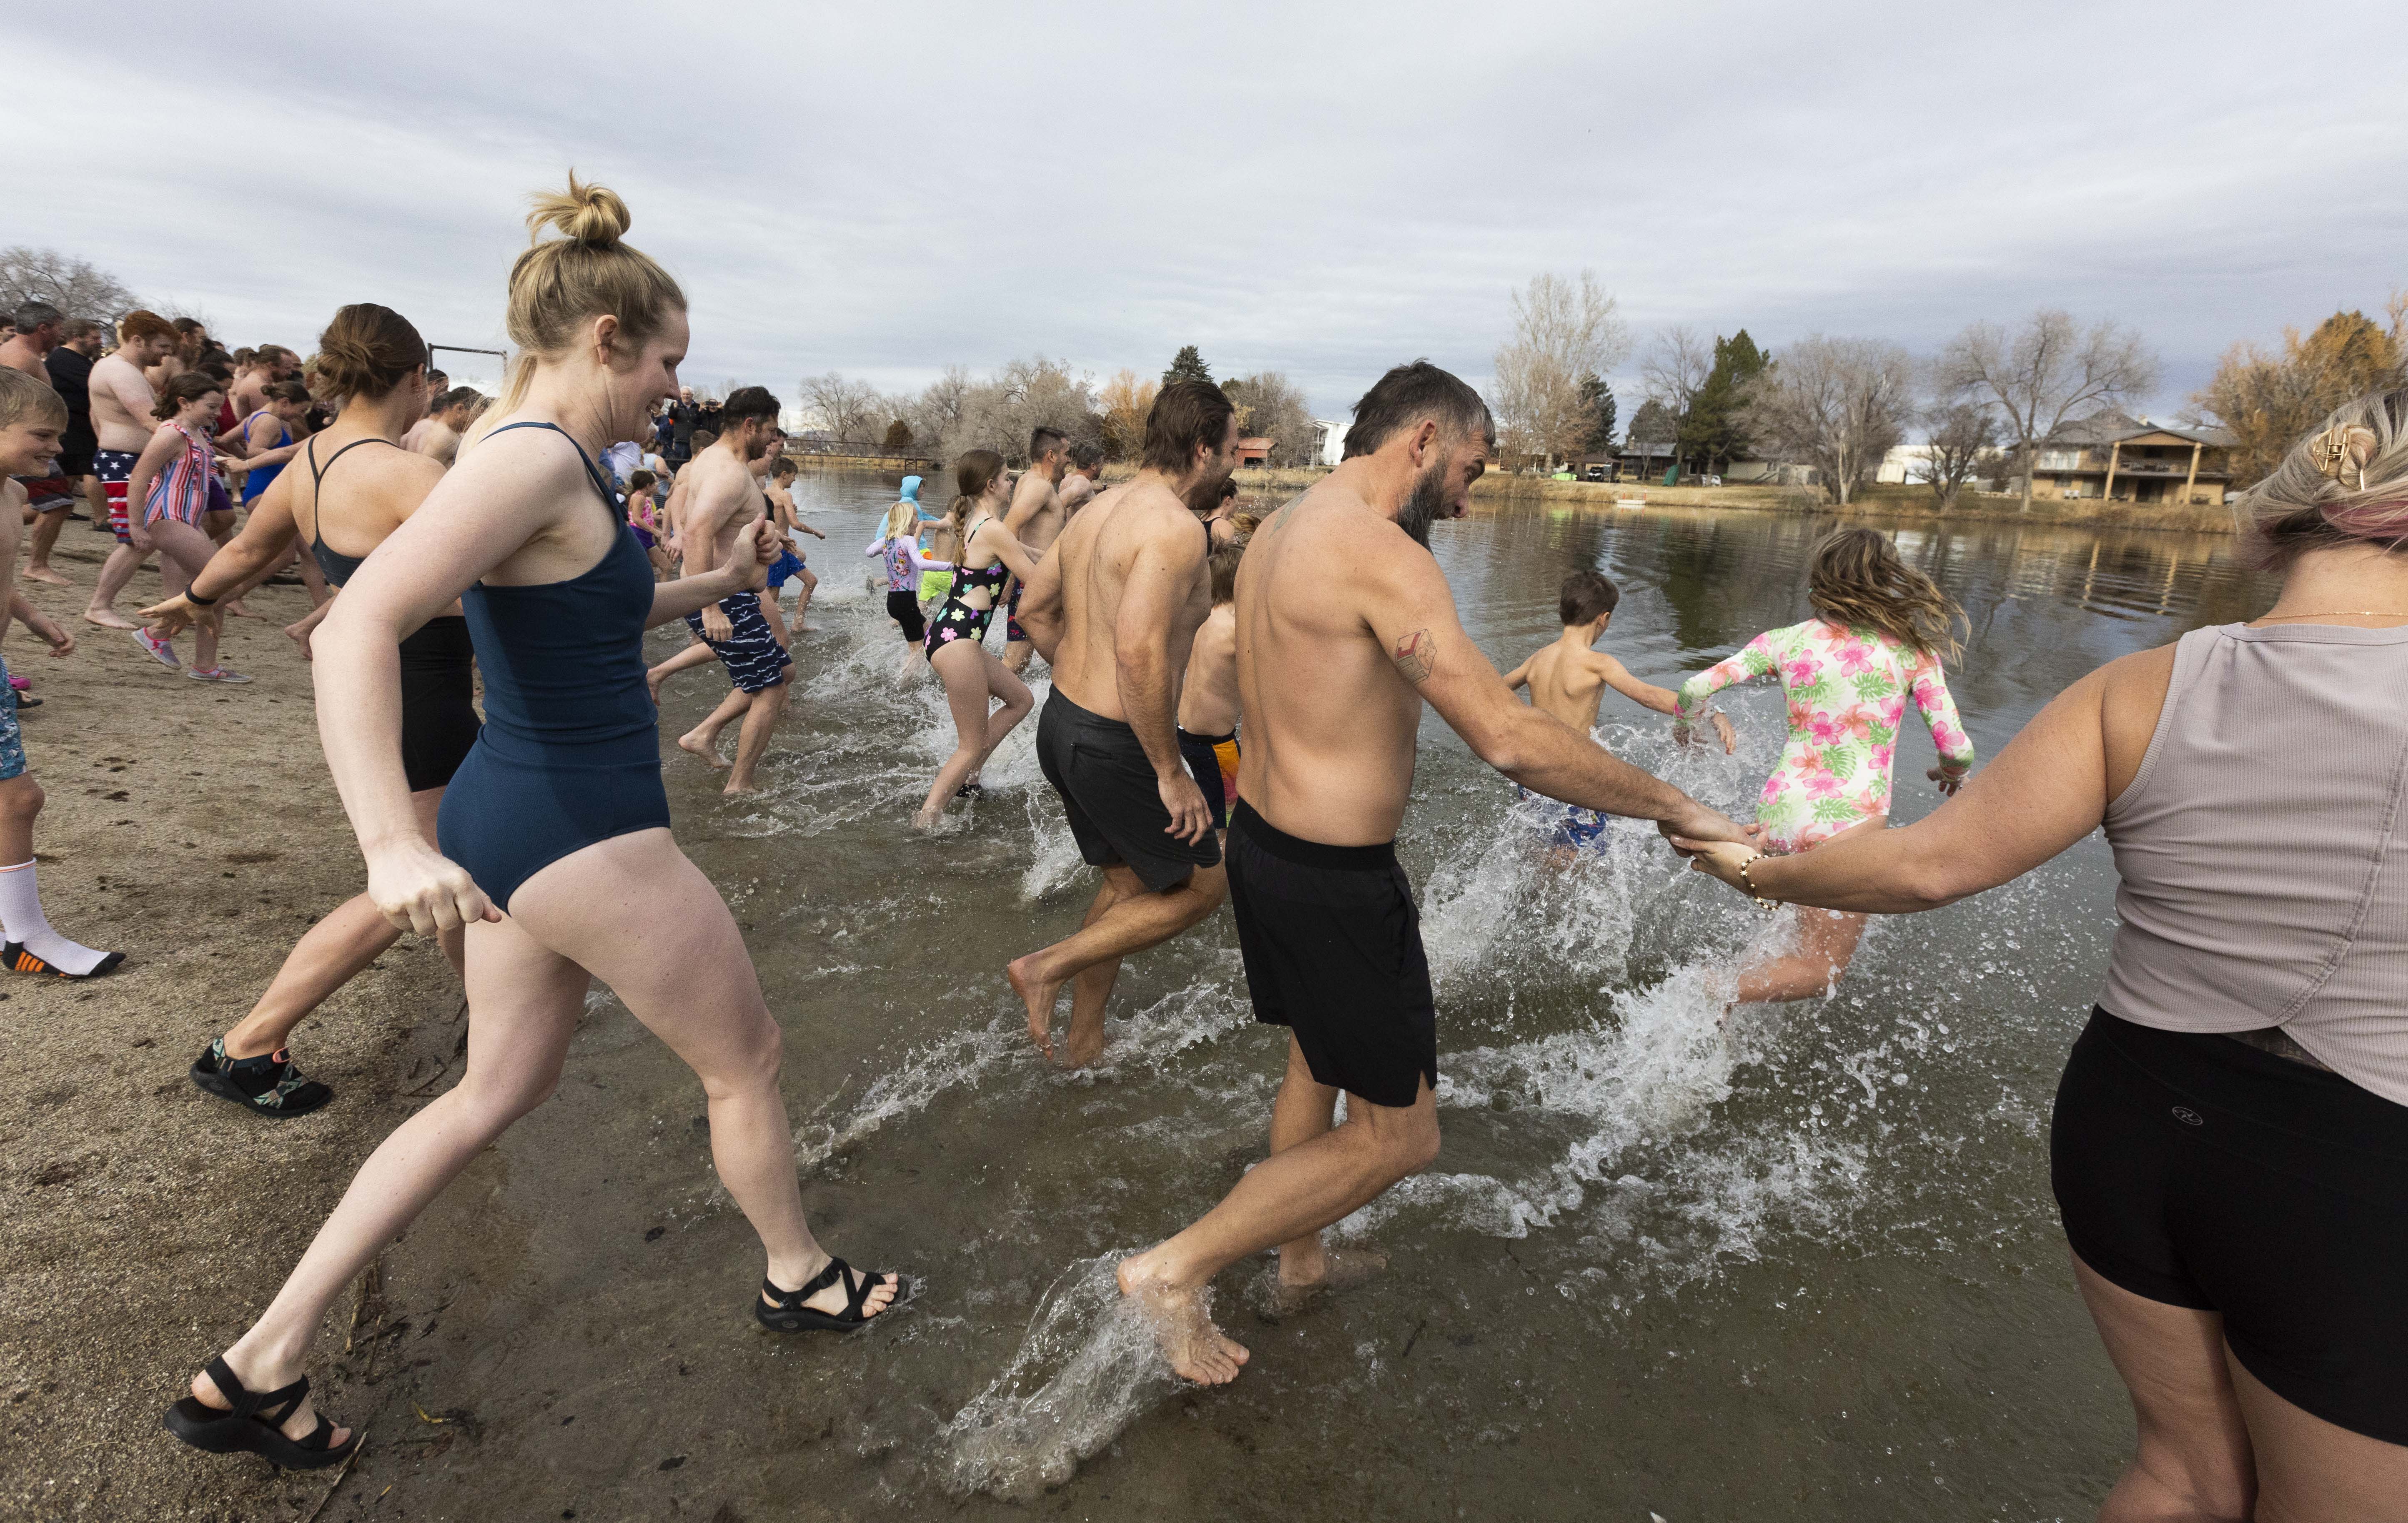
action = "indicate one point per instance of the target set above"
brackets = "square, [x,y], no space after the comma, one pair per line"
[1749,884]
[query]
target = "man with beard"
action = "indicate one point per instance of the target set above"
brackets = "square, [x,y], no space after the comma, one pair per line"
[1345,628]
[1115,609]
[69,367]
[722,499]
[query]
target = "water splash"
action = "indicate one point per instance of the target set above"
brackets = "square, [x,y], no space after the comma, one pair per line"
[1087,1369]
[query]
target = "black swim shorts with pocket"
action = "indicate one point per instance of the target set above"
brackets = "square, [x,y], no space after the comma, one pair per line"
[1333,951]
[1109,794]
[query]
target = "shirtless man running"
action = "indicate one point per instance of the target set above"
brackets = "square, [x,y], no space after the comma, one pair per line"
[40,329]
[439,439]
[1345,628]
[1085,479]
[1115,609]
[722,500]
[122,400]
[1034,519]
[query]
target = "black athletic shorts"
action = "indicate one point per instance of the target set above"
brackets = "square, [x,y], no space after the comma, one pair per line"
[1333,951]
[439,709]
[1202,754]
[904,609]
[2197,1171]
[1109,792]
[76,448]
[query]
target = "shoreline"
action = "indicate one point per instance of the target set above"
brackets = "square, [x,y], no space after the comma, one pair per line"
[1880,502]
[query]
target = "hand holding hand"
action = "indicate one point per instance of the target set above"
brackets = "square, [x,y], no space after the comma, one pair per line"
[1720,859]
[419,889]
[1703,823]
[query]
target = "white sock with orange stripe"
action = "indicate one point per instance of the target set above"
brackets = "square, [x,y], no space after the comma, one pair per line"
[21,915]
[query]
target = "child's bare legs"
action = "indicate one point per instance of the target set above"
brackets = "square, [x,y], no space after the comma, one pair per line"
[972,678]
[809,584]
[693,655]
[1826,942]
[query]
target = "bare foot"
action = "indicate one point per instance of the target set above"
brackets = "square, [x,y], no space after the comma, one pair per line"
[1078,1049]
[733,786]
[239,612]
[43,573]
[108,618]
[705,746]
[299,634]
[1340,1269]
[1040,998]
[653,678]
[926,820]
[295,1427]
[1195,1347]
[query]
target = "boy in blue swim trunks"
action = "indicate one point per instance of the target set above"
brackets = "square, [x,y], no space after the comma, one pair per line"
[32,418]
[1568,679]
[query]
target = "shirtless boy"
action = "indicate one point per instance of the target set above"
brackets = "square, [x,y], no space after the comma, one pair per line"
[1114,607]
[1332,674]
[122,400]
[1208,699]
[1034,519]
[32,418]
[722,500]
[791,563]
[1569,678]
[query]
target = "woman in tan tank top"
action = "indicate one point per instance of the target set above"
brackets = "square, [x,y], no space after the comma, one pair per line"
[2229,1149]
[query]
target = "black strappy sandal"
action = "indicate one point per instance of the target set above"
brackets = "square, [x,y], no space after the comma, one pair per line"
[255,1424]
[785,1311]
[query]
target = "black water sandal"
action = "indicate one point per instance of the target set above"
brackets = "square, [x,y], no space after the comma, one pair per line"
[785,1311]
[17,960]
[269,1087]
[254,1423]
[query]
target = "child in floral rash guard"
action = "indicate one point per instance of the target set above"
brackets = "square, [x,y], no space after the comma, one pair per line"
[1848,691]
[1880,630]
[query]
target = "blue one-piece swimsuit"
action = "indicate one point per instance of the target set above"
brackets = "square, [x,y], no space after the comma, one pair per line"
[569,753]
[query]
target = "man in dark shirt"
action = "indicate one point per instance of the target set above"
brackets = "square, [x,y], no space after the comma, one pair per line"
[682,415]
[70,366]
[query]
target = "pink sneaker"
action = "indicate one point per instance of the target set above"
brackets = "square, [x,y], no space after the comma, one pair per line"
[22,685]
[161,651]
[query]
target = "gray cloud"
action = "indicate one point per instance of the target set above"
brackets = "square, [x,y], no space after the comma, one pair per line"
[1319,189]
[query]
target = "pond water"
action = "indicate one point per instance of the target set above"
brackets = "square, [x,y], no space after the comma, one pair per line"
[1811,1273]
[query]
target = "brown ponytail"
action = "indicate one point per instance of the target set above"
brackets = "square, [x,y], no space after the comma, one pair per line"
[1856,579]
[366,352]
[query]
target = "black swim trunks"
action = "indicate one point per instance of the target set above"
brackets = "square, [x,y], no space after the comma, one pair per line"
[439,709]
[1333,950]
[2197,1171]
[1207,757]
[750,652]
[1109,792]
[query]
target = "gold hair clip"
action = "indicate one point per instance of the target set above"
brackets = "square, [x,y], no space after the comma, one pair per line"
[2342,448]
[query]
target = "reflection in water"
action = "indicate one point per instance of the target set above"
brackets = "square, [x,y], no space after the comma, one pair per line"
[1804,1269]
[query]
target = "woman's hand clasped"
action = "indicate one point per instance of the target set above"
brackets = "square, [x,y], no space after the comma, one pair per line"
[419,889]
[1719,859]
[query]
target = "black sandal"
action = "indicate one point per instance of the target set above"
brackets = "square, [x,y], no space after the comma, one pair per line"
[255,1424]
[269,1086]
[785,1311]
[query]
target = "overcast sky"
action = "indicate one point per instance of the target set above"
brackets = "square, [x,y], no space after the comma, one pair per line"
[1318,189]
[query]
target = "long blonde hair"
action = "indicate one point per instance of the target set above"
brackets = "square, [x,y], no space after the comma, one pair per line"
[902,522]
[1855,578]
[559,283]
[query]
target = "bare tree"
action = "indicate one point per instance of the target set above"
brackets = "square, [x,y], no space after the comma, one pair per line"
[1962,439]
[1562,332]
[1000,412]
[1675,367]
[846,408]
[1126,401]
[1270,406]
[75,286]
[2046,373]
[1836,404]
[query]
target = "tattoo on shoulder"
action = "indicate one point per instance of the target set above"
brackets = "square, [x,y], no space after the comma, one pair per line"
[1415,655]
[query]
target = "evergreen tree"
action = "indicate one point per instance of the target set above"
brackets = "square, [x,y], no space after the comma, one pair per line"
[1710,434]
[1596,399]
[1188,365]
[1654,424]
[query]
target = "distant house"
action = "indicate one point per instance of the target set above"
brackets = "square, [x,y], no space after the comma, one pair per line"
[1644,461]
[2115,456]
[1253,451]
[1771,473]
[1328,441]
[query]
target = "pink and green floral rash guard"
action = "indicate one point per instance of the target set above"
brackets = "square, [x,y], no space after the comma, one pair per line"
[1848,691]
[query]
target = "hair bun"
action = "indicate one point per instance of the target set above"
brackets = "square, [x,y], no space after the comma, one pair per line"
[590,215]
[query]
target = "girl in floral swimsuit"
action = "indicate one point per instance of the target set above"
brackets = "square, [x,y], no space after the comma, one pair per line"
[1876,640]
